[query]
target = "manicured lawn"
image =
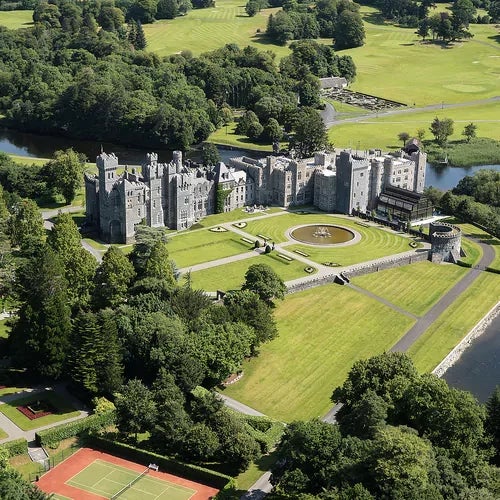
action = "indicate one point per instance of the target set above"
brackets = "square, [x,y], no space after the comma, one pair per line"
[382,132]
[231,276]
[473,252]
[374,242]
[3,329]
[456,322]
[203,30]
[414,288]
[256,469]
[64,410]
[228,137]
[188,249]
[394,64]
[3,434]
[15,19]
[233,216]
[322,332]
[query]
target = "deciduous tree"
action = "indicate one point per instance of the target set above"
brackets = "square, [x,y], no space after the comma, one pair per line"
[261,279]
[469,131]
[309,133]
[441,129]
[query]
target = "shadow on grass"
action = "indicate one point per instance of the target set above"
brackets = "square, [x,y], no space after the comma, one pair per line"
[263,39]
[374,18]
[262,465]
[495,38]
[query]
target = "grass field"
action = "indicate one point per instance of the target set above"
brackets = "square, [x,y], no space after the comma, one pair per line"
[452,326]
[104,478]
[374,242]
[473,252]
[228,137]
[64,410]
[233,216]
[425,73]
[322,332]
[383,132]
[14,19]
[188,249]
[231,276]
[202,30]
[415,288]
[3,434]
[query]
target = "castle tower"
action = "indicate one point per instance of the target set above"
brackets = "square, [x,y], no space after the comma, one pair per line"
[152,173]
[420,160]
[177,160]
[107,165]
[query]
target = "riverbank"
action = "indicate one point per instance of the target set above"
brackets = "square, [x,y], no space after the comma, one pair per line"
[477,331]
[479,151]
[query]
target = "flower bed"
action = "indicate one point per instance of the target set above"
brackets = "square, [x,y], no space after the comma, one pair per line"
[32,412]
[331,264]
[309,269]
[240,225]
[218,229]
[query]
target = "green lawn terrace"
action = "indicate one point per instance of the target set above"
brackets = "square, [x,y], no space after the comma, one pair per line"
[62,410]
[231,276]
[375,242]
[324,330]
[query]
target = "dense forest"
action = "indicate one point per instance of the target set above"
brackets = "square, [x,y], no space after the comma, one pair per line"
[400,436]
[81,72]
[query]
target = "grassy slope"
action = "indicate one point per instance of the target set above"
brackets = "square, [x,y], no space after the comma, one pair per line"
[383,132]
[452,326]
[231,276]
[15,19]
[202,30]
[322,332]
[393,63]
[415,288]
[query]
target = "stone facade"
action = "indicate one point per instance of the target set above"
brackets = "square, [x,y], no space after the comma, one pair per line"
[176,196]
[446,241]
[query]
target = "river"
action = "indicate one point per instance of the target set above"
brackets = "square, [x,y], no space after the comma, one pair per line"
[24,144]
[478,369]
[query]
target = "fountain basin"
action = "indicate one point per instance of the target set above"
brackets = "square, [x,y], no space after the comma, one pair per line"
[322,234]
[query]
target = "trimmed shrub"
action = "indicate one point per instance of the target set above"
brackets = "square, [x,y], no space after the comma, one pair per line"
[188,471]
[493,270]
[56,434]
[16,447]
[463,264]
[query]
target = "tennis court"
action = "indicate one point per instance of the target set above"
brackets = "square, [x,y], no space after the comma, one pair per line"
[91,474]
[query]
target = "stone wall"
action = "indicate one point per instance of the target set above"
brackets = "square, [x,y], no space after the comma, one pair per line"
[478,330]
[361,269]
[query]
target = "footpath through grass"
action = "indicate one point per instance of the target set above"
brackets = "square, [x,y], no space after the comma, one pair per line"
[322,332]
[456,322]
[414,288]
[63,410]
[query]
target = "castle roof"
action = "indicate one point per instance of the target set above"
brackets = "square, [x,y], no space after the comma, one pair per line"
[222,173]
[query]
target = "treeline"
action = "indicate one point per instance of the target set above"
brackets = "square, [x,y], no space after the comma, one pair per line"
[125,329]
[80,73]
[400,435]
[337,19]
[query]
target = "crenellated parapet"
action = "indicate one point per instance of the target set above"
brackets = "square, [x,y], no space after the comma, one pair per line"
[446,242]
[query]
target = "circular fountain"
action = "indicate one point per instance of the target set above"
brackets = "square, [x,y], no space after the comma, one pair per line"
[322,234]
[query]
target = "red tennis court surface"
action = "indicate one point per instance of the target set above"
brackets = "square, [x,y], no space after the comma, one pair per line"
[56,480]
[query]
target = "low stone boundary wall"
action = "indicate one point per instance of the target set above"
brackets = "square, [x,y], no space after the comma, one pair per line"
[477,331]
[361,269]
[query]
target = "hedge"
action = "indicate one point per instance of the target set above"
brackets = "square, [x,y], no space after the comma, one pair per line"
[266,431]
[16,447]
[493,270]
[188,471]
[463,264]
[56,434]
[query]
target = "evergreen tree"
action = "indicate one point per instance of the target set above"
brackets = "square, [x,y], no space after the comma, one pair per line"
[112,279]
[79,265]
[140,39]
[40,336]
[492,423]
[159,266]
[25,226]
[85,352]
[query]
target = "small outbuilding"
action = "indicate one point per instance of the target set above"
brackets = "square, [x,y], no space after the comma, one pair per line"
[333,82]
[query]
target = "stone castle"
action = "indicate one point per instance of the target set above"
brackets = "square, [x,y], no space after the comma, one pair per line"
[176,195]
